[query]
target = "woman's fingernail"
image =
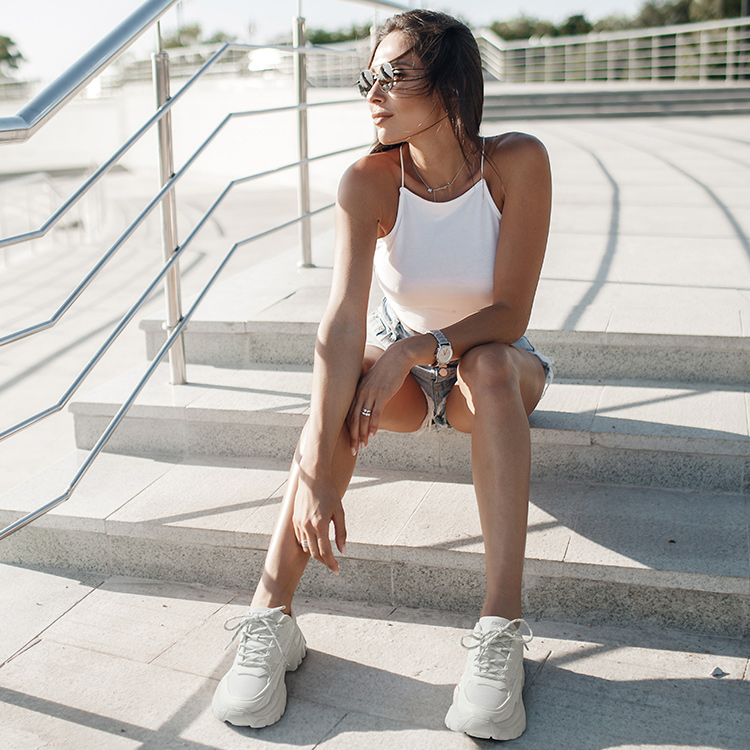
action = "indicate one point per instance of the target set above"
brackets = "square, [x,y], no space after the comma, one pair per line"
[372,433]
[336,572]
[343,549]
[361,445]
[354,451]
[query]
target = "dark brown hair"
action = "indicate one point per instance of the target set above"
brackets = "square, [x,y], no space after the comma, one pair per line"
[449,53]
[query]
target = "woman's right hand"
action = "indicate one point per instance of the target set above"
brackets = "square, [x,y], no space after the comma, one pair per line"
[317,505]
[374,390]
[381,383]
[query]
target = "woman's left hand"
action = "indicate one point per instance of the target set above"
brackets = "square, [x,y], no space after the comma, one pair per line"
[375,389]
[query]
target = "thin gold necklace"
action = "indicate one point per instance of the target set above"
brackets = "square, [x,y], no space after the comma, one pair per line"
[432,190]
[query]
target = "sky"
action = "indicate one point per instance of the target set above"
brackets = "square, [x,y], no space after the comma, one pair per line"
[68,28]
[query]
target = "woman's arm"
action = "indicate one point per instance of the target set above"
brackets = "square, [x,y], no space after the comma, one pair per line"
[339,350]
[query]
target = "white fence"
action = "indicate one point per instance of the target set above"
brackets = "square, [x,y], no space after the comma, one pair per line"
[712,52]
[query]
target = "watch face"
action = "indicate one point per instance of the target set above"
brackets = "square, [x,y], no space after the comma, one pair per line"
[444,354]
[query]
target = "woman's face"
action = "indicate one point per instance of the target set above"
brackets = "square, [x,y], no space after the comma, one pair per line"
[405,110]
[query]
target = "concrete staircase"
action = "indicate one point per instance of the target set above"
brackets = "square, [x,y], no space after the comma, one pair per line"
[641,447]
[639,492]
[637,99]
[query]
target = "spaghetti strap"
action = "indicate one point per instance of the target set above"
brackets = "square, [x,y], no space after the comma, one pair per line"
[401,156]
[481,168]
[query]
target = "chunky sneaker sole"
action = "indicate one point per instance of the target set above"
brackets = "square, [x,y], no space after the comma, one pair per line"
[467,718]
[488,701]
[268,706]
[227,708]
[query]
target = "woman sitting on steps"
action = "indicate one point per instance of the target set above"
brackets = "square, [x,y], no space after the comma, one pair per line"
[446,348]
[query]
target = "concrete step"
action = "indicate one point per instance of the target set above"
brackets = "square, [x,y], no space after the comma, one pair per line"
[97,662]
[722,360]
[606,431]
[270,313]
[626,94]
[594,553]
[629,100]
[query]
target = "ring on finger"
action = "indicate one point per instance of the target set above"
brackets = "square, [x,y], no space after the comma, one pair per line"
[305,544]
[366,412]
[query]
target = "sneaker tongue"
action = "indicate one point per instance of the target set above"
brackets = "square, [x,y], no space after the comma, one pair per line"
[490,623]
[274,614]
[261,610]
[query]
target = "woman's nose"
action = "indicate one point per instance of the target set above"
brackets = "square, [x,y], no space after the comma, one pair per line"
[375,94]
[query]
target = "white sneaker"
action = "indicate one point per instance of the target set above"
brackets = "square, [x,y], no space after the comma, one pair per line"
[487,702]
[252,693]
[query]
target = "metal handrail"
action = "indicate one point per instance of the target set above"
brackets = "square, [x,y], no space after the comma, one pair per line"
[48,102]
[155,118]
[171,339]
[130,314]
[51,100]
[152,204]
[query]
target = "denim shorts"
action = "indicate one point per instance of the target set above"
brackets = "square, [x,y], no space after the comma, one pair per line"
[384,327]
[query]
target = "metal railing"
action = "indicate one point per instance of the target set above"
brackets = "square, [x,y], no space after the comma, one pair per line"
[711,52]
[24,199]
[52,99]
[338,67]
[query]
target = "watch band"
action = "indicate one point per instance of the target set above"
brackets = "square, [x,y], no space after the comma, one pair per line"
[444,351]
[440,336]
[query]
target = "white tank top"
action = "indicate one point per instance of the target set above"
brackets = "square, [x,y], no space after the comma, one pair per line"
[436,265]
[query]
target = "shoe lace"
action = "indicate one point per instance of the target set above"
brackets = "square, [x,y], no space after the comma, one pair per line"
[494,647]
[258,635]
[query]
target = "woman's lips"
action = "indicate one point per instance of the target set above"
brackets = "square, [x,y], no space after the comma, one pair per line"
[379,117]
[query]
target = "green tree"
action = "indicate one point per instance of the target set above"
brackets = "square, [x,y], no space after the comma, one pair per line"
[651,13]
[523,27]
[663,13]
[10,55]
[185,36]
[710,10]
[220,38]
[320,36]
[188,36]
[575,25]
[613,23]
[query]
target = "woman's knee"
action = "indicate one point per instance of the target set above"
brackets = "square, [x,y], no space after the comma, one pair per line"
[490,367]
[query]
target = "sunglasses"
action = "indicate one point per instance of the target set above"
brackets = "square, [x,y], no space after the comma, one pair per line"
[386,75]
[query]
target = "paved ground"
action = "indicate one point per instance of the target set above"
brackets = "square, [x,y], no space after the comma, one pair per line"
[639,206]
[87,662]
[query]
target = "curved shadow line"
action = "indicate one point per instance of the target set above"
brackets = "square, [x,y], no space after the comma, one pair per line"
[743,141]
[605,266]
[730,217]
[40,364]
[712,152]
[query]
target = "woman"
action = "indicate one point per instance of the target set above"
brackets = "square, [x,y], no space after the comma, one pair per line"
[446,348]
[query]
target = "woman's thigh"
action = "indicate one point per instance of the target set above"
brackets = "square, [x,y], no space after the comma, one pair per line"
[528,385]
[406,411]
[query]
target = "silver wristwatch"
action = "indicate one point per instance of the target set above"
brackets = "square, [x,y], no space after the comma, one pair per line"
[444,352]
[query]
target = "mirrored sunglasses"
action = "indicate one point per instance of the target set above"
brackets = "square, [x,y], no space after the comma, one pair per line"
[385,76]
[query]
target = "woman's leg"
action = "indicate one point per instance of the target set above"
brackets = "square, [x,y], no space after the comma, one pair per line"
[286,560]
[498,387]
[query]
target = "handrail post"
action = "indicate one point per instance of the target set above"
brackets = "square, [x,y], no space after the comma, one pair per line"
[303,192]
[177,368]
